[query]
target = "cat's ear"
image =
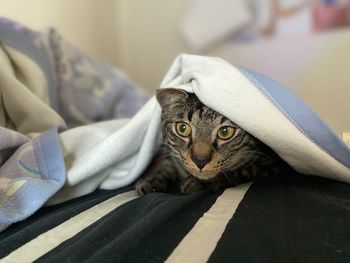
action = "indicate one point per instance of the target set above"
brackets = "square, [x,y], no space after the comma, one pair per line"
[168,96]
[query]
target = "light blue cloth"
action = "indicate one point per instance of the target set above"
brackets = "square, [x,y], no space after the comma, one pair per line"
[31,172]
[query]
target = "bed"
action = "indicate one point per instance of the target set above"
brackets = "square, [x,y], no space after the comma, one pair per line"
[288,218]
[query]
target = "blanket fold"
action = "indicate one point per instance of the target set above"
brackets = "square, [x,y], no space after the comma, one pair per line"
[31,172]
[24,92]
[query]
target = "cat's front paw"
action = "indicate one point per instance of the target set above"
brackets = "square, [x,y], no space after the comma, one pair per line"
[190,185]
[147,185]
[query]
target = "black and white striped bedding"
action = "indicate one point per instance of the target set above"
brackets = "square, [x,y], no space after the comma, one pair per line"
[290,218]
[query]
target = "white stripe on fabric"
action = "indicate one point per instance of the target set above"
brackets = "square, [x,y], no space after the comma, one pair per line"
[200,242]
[54,237]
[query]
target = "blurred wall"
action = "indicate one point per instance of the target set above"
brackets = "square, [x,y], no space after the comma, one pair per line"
[89,24]
[148,38]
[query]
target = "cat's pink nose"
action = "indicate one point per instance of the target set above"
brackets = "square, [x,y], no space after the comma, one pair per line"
[201,160]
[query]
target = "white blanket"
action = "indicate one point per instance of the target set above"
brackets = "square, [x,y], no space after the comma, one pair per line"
[114,154]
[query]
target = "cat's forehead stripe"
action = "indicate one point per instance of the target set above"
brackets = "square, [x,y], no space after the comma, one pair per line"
[190,115]
[223,119]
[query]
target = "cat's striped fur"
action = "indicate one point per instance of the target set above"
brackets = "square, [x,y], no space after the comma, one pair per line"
[201,159]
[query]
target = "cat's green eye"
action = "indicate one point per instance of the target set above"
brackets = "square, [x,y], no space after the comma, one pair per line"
[183,129]
[226,132]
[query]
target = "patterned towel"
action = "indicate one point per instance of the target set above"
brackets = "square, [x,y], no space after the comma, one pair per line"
[47,84]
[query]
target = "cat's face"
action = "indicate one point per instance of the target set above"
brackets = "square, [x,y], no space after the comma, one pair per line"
[205,142]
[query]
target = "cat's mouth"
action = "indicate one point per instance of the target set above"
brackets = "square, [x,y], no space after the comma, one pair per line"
[203,174]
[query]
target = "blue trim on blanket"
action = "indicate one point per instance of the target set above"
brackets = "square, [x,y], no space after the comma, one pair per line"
[49,156]
[36,191]
[301,116]
[21,39]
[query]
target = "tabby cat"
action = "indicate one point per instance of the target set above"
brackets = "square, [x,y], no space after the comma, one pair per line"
[203,149]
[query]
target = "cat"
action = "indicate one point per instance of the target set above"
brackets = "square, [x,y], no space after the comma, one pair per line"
[203,150]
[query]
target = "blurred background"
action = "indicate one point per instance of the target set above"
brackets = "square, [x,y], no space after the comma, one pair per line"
[304,44]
